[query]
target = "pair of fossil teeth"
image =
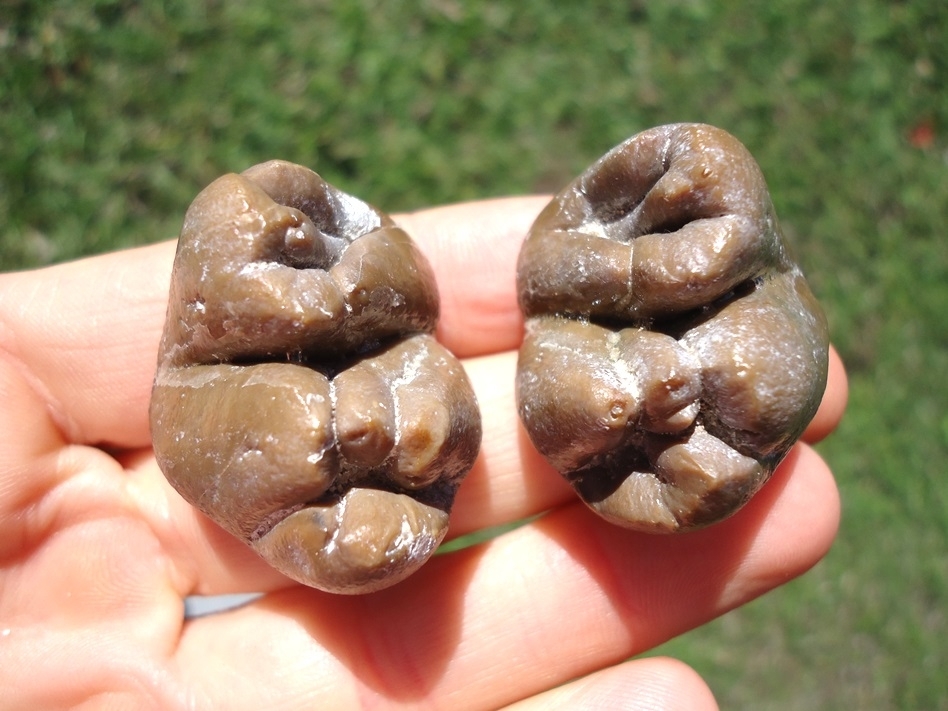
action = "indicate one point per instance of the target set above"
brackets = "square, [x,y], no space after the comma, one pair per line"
[673,354]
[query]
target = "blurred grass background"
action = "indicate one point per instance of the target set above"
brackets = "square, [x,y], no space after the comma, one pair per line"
[114,114]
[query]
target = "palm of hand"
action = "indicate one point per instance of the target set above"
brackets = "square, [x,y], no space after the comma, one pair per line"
[98,552]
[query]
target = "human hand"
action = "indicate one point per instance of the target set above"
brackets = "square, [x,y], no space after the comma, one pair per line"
[98,552]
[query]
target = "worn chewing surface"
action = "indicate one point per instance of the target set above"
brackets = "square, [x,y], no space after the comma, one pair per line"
[301,400]
[673,351]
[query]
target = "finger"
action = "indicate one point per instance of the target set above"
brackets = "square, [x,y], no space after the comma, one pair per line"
[834,401]
[203,558]
[510,481]
[85,335]
[473,248]
[87,332]
[490,625]
[646,684]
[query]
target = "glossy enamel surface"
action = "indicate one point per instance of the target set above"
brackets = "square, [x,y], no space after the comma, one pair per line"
[301,400]
[673,350]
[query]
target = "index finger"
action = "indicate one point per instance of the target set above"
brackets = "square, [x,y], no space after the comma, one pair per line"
[473,248]
[86,333]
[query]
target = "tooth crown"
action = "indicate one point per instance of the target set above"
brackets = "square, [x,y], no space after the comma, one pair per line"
[301,400]
[673,351]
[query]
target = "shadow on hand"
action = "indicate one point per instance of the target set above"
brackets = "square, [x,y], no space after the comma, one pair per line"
[396,641]
[662,585]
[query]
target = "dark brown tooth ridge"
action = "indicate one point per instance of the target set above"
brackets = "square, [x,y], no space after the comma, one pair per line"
[301,400]
[673,351]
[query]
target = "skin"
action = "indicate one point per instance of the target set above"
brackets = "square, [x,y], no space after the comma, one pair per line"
[97,552]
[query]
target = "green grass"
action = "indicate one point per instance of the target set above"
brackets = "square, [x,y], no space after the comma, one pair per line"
[114,114]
